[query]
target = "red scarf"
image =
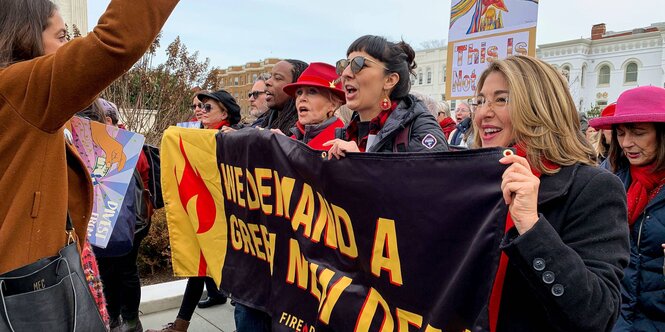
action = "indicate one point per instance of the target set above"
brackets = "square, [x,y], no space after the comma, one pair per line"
[644,186]
[326,134]
[375,126]
[497,287]
[224,122]
[448,125]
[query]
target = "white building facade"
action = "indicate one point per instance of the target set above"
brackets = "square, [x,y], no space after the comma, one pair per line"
[598,69]
[430,78]
[74,12]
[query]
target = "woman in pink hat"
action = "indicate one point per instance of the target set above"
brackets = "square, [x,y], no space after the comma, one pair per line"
[637,157]
[317,95]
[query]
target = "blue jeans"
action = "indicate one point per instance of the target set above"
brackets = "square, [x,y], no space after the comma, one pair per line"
[251,320]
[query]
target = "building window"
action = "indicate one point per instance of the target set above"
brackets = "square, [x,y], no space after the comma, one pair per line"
[631,73]
[429,76]
[420,78]
[583,75]
[254,77]
[413,79]
[601,103]
[604,75]
[235,82]
[565,70]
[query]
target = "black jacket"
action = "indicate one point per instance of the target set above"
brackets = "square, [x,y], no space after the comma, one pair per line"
[643,285]
[564,273]
[425,134]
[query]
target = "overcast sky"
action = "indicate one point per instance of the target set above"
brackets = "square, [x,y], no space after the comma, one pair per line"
[235,32]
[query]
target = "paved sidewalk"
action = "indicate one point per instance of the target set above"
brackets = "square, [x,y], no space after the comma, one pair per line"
[217,318]
[160,304]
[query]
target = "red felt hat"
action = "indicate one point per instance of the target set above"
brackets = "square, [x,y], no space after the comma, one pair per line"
[642,104]
[609,110]
[320,75]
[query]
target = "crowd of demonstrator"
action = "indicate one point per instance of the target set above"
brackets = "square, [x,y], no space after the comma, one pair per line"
[583,244]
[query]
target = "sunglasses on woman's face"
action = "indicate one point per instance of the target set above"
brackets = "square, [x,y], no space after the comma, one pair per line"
[194,106]
[357,64]
[205,107]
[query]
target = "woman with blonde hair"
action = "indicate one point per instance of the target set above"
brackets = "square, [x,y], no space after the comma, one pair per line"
[565,246]
[317,98]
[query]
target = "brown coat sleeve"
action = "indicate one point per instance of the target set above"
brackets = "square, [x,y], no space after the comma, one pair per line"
[47,91]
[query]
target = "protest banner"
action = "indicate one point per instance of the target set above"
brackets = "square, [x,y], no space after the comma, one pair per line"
[110,154]
[484,30]
[366,243]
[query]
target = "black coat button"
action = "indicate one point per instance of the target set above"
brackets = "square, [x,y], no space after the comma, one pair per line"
[557,290]
[548,277]
[538,264]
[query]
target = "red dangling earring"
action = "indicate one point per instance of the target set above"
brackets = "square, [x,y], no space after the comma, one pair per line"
[385,104]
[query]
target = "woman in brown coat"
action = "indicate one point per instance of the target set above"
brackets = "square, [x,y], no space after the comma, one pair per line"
[43,83]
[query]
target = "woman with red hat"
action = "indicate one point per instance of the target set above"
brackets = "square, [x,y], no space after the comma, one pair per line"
[317,96]
[604,135]
[637,157]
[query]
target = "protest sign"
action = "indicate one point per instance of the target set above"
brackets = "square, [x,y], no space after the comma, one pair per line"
[110,154]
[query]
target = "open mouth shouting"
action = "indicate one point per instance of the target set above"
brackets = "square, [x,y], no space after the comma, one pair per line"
[351,91]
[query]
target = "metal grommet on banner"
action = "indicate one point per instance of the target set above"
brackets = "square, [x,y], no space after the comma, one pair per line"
[507,152]
[324,155]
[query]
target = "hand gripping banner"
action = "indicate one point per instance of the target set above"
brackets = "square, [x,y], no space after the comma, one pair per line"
[371,242]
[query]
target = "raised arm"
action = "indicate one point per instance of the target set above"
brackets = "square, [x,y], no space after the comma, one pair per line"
[48,90]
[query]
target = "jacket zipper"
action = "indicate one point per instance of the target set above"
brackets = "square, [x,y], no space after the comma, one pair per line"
[639,234]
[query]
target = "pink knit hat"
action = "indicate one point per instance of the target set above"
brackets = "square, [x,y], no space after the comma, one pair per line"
[642,104]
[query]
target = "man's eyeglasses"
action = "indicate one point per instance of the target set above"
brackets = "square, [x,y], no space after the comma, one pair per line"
[357,64]
[255,94]
[480,102]
[205,107]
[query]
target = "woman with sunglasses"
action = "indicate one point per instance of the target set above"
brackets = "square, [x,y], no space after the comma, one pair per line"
[217,109]
[565,246]
[44,81]
[317,97]
[376,79]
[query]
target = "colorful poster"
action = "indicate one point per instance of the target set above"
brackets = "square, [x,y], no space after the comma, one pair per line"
[481,31]
[110,153]
[336,245]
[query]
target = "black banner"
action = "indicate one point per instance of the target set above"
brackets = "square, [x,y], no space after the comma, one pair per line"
[371,242]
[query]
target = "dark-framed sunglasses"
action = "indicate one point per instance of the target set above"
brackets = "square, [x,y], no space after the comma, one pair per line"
[255,94]
[357,64]
[194,106]
[206,108]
